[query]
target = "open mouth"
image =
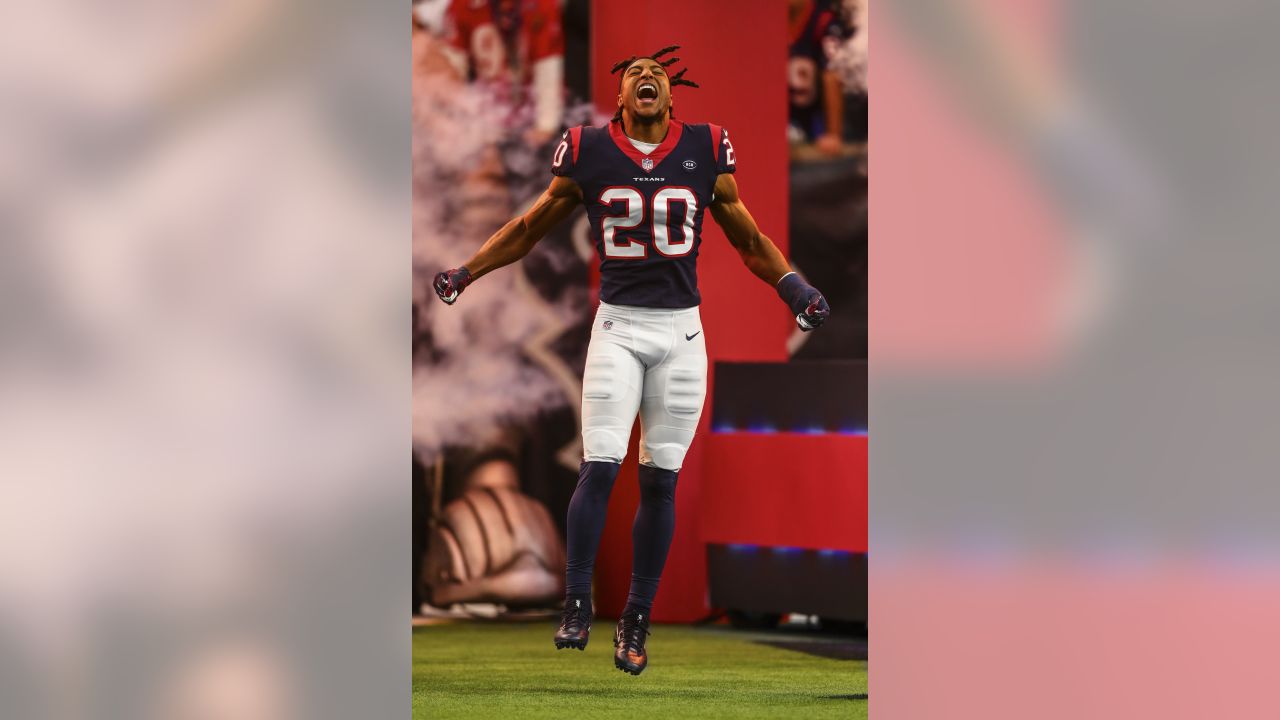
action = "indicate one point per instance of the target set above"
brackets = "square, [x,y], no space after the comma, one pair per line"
[647,93]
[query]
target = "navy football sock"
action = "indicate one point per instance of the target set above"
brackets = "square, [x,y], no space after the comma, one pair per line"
[585,523]
[584,601]
[633,609]
[651,535]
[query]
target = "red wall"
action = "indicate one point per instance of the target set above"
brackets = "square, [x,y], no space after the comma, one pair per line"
[736,51]
[807,491]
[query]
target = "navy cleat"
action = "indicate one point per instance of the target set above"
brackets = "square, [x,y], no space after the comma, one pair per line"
[575,626]
[628,642]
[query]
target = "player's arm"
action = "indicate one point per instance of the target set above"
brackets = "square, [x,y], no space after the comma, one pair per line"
[758,252]
[514,240]
[762,257]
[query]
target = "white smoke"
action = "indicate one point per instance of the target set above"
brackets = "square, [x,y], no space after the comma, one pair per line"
[485,363]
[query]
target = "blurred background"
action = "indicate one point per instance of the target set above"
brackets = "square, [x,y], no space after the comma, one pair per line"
[772,499]
[1074,511]
[204,369]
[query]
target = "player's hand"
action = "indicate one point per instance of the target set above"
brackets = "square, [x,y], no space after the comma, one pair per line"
[815,314]
[810,308]
[450,284]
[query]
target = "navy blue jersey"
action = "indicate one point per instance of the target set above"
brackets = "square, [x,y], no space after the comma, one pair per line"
[646,210]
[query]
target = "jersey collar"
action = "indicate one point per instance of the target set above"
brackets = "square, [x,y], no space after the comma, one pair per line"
[658,155]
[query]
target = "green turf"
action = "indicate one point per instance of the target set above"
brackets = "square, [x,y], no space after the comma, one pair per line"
[510,671]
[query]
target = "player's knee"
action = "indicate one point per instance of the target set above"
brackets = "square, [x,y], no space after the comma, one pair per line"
[665,448]
[603,445]
[667,457]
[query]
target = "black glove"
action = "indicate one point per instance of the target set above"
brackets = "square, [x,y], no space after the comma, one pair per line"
[805,301]
[450,284]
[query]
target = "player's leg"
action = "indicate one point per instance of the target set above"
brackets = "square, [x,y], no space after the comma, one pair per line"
[670,407]
[610,398]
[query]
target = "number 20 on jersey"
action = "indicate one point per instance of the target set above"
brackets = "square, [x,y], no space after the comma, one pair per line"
[667,241]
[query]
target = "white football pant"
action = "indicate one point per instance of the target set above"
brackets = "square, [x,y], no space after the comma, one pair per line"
[651,360]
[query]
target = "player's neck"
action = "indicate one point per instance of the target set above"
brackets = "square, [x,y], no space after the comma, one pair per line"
[647,132]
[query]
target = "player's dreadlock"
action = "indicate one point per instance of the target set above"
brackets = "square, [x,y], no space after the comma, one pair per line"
[674,80]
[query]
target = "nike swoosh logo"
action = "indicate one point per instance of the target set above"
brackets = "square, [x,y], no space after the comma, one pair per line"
[690,337]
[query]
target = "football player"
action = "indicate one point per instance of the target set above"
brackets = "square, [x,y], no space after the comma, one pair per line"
[647,180]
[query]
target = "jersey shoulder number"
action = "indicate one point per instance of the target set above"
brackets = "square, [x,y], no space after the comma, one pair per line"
[565,158]
[722,149]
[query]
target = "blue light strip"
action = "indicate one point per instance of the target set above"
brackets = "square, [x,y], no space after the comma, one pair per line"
[763,429]
[787,550]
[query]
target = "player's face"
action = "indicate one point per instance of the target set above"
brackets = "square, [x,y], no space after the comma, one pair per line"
[646,90]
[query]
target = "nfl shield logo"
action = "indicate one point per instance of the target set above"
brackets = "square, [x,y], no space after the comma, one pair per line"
[647,164]
[608,325]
